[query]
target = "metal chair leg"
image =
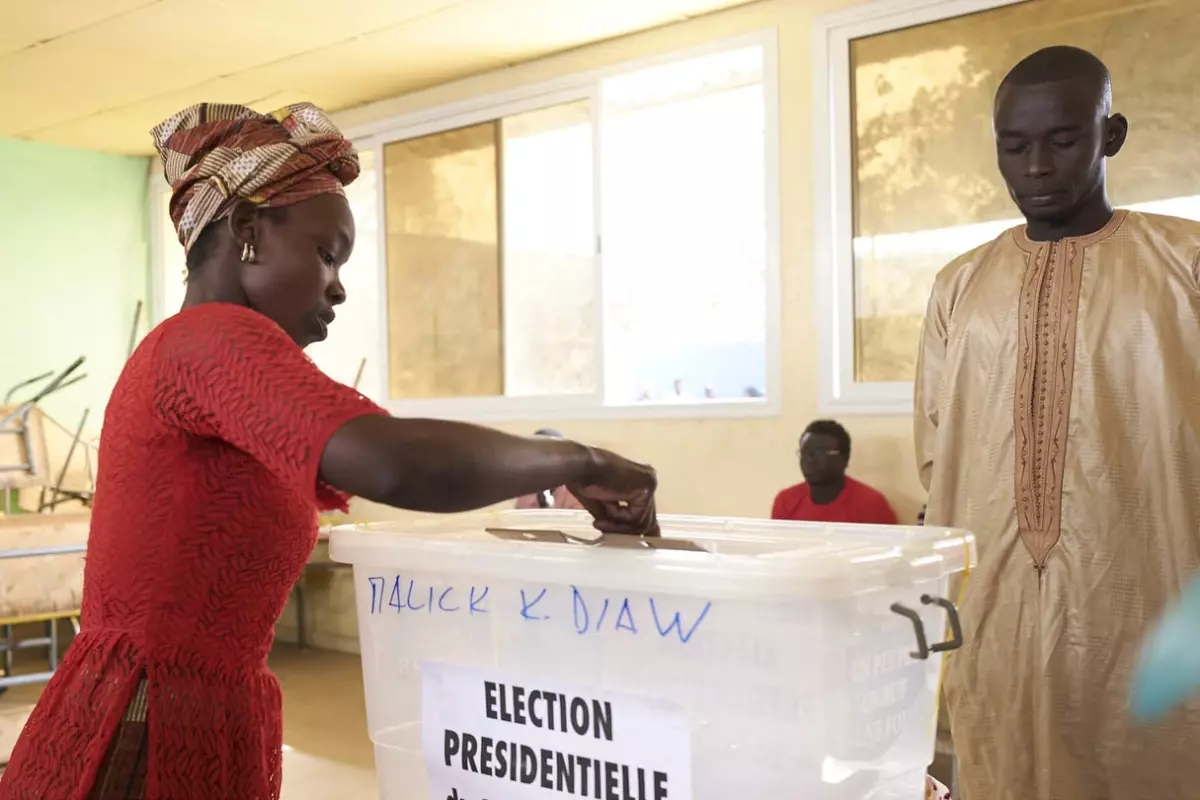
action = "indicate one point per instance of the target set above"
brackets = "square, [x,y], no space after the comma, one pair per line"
[53,636]
[9,646]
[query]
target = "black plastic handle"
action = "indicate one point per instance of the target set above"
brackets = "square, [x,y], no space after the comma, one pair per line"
[956,635]
[922,651]
[923,647]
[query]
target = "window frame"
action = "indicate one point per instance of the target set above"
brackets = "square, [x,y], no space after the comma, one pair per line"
[833,200]
[160,239]
[577,86]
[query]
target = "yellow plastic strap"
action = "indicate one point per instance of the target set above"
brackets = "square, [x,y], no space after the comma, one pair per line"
[962,591]
[44,617]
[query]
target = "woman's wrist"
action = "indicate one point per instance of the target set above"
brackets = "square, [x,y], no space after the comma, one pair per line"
[582,465]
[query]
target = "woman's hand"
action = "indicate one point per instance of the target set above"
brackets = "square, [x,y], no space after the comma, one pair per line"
[619,495]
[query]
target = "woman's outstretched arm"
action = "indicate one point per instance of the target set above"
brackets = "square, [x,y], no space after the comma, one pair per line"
[227,372]
[441,466]
[433,465]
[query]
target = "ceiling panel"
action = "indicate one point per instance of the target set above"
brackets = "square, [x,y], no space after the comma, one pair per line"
[123,65]
[25,24]
[97,62]
[342,21]
[127,130]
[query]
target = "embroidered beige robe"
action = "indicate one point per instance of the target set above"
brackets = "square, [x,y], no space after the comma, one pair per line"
[1058,418]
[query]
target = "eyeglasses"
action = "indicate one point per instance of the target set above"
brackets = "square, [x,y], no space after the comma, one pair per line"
[803,452]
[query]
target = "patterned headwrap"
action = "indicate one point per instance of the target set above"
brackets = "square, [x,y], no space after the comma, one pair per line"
[215,154]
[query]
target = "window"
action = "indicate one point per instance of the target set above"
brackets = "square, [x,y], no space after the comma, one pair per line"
[603,245]
[912,173]
[490,258]
[685,230]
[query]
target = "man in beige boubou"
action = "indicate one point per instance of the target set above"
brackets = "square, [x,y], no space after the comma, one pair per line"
[1058,418]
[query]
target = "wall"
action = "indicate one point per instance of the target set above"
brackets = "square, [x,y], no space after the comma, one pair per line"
[723,467]
[74,261]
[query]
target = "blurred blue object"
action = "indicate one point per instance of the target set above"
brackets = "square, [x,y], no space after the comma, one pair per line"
[1168,672]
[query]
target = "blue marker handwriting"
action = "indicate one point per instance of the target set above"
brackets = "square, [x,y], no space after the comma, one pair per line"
[400,594]
[585,611]
[606,613]
[528,606]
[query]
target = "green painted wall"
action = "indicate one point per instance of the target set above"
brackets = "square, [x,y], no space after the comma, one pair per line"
[74,261]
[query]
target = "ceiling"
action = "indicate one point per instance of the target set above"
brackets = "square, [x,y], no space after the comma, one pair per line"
[102,79]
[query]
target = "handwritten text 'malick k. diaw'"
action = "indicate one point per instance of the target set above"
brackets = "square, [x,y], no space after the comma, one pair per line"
[588,610]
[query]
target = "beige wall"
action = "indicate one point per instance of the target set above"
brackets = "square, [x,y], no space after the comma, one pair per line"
[717,466]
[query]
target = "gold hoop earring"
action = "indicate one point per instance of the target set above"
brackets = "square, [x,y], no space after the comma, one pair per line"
[248,253]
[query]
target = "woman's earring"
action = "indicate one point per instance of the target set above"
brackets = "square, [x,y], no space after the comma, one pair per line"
[248,253]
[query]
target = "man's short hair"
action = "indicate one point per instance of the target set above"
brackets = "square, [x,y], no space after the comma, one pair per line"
[1061,63]
[828,427]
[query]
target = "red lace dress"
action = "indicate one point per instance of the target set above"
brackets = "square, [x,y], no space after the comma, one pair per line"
[205,513]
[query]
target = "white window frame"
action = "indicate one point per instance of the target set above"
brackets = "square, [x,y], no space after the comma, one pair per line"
[569,88]
[156,188]
[833,200]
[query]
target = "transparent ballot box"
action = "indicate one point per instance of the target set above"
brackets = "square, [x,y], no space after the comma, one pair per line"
[518,655]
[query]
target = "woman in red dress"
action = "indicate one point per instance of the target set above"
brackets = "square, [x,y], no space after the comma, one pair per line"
[221,441]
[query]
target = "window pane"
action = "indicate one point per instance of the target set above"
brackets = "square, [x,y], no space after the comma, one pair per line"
[926,188]
[684,235]
[355,334]
[492,291]
[549,252]
[443,265]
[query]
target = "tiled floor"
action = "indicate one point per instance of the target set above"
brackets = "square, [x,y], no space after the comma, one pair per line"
[327,755]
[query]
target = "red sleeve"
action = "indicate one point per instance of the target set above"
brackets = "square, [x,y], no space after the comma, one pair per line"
[226,372]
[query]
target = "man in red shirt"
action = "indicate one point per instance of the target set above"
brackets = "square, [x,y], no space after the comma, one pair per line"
[828,494]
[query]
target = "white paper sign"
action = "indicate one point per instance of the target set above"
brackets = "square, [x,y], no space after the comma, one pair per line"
[500,737]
